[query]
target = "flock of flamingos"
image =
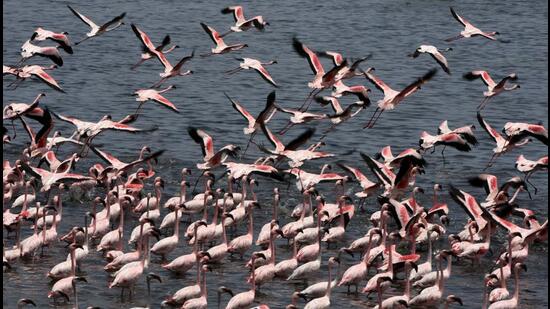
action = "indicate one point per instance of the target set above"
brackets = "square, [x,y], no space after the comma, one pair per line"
[395,252]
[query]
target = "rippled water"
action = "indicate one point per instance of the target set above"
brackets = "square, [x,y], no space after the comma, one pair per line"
[98,80]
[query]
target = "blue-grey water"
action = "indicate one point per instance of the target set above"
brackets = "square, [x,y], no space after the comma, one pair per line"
[98,81]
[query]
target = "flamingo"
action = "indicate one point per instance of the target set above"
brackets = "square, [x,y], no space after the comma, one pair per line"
[168,244]
[514,301]
[211,159]
[185,262]
[202,301]
[520,130]
[257,65]
[147,54]
[470,30]
[29,50]
[41,34]
[399,299]
[372,283]
[242,243]
[169,70]
[188,292]
[433,294]
[266,273]
[436,55]
[323,302]
[217,253]
[503,145]
[97,30]
[356,273]
[221,46]
[529,167]
[64,286]
[299,117]
[245,299]
[265,231]
[493,88]
[241,23]
[144,95]
[392,97]
[29,71]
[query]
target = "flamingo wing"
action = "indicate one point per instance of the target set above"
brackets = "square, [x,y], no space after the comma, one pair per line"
[202,138]
[312,58]
[83,18]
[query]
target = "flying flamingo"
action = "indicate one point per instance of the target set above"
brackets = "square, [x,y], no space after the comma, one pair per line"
[144,95]
[147,54]
[97,30]
[169,70]
[503,145]
[298,117]
[470,30]
[520,130]
[241,23]
[257,65]
[29,50]
[493,88]
[211,159]
[435,53]
[529,167]
[41,34]
[392,97]
[29,71]
[221,47]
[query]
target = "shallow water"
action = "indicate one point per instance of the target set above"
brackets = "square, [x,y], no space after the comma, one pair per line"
[98,80]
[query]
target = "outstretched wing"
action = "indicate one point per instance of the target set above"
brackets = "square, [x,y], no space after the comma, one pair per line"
[202,138]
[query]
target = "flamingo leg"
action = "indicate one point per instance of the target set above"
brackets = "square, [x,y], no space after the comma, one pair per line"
[86,38]
[286,128]
[371,118]
[250,140]
[307,99]
[443,154]
[196,182]
[137,64]
[375,120]
[483,103]
[526,179]
[157,84]
[233,71]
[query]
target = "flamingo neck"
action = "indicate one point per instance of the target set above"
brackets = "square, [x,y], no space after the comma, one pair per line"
[251,221]
[177,224]
[484,306]
[216,211]
[367,252]
[407,281]
[271,248]
[329,283]
[502,280]
[430,247]
[516,279]
[275,207]
[73,263]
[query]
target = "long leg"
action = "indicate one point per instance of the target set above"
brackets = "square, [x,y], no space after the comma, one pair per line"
[137,64]
[307,99]
[491,161]
[377,117]
[86,38]
[371,118]
[526,179]
[196,182]
[233,71]
[157,84]
[483,103]
[286,128]
[443,154]
[248,144]
[310,99]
